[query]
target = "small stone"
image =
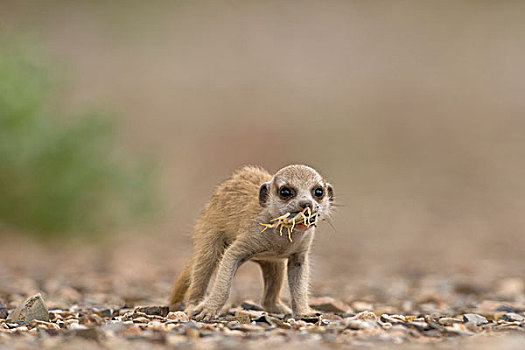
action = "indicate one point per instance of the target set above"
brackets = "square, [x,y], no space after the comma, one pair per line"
[3,311]
[243,319]
[178,316]
[141,320]
[420,326]
[264,319]
[154,310]
[311,318]
[250,305]
[106,313]
[448,321]
[475,318]
[45,325]
[393,319]
[366,315]
[328,304]
[511,317]
[249,313]
[33,308]
[357,324]
[279,323]
[458,329]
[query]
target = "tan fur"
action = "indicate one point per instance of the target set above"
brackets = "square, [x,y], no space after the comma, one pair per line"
[228,234]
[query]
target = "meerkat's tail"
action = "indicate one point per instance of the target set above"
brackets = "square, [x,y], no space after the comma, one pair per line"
[181,285]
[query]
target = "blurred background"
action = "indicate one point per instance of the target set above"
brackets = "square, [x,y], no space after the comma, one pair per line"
[119,118]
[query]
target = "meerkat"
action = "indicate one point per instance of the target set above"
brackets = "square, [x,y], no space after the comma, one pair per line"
[228,233]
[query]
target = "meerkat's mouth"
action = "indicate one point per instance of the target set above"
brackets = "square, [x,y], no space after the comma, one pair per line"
[302,220]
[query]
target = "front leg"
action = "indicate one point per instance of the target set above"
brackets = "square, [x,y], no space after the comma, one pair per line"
[239,252]
[298,275]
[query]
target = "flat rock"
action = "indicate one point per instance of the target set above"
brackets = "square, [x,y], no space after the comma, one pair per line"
[511,317]
[154,310]
[475,318]
[33,308]
[328,304]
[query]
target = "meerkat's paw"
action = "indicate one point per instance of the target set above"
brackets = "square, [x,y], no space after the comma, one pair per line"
[277,308]
[190,309]
[305,313]
[205,312]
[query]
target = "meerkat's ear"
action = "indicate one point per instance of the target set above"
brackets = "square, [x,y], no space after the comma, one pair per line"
[264,192]
[330,191]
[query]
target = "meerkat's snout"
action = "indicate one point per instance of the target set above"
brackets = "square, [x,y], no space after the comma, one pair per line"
[303,204]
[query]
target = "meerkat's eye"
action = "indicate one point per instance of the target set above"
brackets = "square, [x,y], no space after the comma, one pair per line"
[285,192]
[319,192]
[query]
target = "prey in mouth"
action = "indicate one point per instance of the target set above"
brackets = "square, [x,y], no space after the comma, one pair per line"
[302,220]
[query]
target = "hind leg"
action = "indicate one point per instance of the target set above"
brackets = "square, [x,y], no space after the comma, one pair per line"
[273,274]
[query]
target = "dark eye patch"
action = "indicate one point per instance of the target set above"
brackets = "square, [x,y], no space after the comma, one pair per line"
[285,192]
[318,192]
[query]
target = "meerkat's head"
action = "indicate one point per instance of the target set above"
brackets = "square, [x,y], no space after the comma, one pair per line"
[293,189]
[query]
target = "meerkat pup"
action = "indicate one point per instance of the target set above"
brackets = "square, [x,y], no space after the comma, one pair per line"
[228,233]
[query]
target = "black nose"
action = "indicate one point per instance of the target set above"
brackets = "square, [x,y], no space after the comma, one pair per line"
[305,204]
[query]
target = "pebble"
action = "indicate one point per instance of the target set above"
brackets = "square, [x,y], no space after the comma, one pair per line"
[175,329]
[154,310]
[448,321]
[178,316]
[393,319]
[366,315]
[475,318]
[3,311]
[360,324]
[511,317]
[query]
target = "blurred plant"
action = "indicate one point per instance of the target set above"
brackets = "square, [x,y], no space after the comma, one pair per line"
[60,174]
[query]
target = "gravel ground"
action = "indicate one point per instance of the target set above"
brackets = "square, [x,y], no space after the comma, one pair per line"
[113,295]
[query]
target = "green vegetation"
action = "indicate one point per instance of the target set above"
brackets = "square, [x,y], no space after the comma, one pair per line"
[60,174]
